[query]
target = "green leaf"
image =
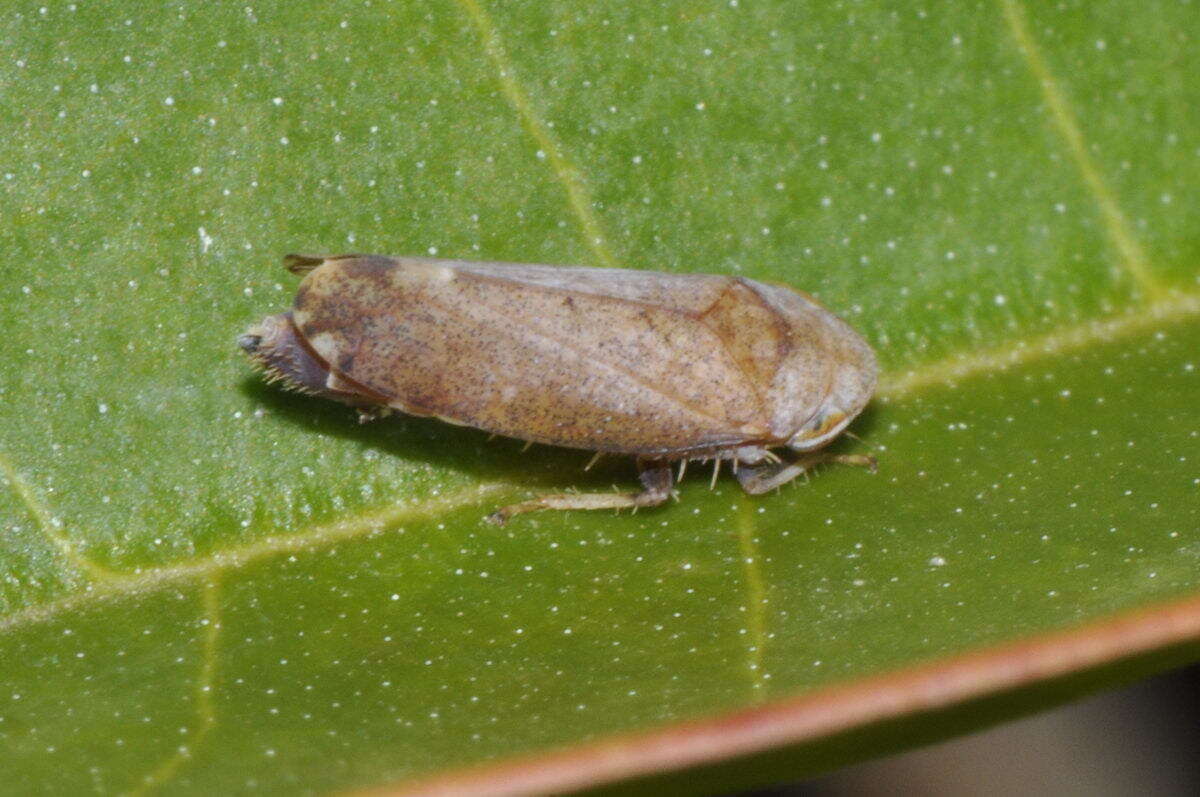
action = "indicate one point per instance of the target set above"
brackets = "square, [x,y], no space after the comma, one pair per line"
[212,586]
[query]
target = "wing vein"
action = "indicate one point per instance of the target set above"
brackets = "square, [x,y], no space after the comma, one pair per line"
[751,384]
[509,322]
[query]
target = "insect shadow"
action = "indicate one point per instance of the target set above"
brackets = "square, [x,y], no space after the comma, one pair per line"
[433,442]
[460,448]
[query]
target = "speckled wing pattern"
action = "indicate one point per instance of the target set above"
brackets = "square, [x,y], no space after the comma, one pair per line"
[609,360]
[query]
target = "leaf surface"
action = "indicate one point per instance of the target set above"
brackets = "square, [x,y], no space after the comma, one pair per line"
[213,587]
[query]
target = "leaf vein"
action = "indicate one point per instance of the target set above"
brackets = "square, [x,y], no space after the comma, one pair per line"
[756,601]
[206,717]
[1179,307]
[49,525]
[143,580]
[1115,224]
[578,195]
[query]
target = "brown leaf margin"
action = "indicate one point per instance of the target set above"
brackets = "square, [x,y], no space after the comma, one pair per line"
[931,686]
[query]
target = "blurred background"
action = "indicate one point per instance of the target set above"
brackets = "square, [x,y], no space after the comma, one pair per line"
[1140,740]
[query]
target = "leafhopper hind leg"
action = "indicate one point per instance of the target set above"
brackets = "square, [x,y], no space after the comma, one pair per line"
[657,481]
[759,479]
